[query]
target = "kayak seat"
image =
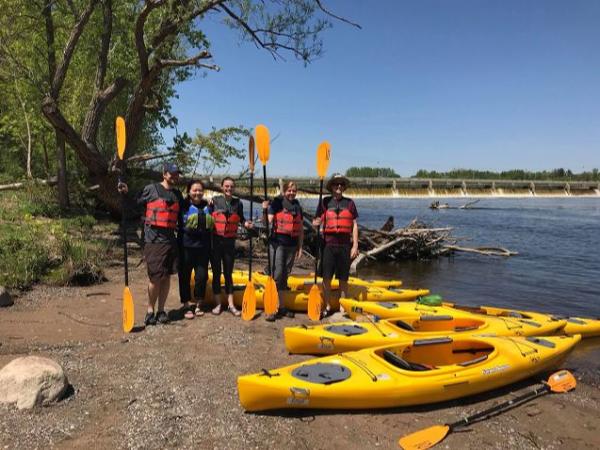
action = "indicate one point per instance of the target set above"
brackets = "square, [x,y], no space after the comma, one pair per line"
[473,361]
[405,326]
[465,328]
[401,363]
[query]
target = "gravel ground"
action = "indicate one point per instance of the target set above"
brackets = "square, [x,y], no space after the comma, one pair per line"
[174,386]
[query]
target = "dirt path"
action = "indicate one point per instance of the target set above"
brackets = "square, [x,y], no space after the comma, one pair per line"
[173,386]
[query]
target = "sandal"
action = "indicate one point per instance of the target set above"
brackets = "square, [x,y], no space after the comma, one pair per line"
[216,310]
[189,314]
[233,310]
[198,312]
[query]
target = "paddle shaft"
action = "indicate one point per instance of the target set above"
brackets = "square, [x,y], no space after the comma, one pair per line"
[319,252]
[509,404]
[124,228]
[250,235]
[266,218]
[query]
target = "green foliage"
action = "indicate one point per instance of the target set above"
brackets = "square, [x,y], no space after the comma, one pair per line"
[516,174]
[36,244]
[215,149]
[371,172]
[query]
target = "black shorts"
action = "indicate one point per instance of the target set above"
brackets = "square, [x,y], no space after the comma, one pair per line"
[161,259]
[336,261]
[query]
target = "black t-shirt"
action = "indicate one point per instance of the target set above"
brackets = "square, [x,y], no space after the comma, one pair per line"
[276,206]
[152,192]
[239,210]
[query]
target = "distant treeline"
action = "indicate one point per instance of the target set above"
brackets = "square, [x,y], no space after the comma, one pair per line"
[556,174]
[371,172]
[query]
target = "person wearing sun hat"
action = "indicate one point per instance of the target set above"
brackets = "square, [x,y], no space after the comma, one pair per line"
[163,205]
[337,215]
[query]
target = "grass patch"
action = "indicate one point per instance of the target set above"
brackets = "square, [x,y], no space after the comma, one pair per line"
[38,244]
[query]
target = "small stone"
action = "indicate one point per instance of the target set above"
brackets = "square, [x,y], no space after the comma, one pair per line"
[532,412]
[5,298]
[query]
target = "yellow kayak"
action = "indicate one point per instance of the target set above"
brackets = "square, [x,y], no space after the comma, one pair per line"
[306,281]
[298,300]
[387,310]
[412,373]
[348,336]
[586,327]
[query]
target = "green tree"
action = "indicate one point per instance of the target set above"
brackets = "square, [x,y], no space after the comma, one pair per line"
[126,58]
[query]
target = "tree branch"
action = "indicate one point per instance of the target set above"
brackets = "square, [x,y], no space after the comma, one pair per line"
[61,70]
[320,5]
[140,45]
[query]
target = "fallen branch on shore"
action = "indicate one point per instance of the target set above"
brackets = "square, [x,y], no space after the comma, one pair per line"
[488,251]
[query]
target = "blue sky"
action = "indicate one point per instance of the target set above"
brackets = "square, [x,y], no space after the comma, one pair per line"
[426,84]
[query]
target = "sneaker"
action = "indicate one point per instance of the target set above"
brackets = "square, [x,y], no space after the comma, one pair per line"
[271,318]
[283,312]
[150,319]
[161,317]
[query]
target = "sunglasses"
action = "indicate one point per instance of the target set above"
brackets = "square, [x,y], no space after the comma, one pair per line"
[338,184]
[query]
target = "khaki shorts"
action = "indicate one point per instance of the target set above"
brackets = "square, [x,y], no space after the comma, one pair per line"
[161,259]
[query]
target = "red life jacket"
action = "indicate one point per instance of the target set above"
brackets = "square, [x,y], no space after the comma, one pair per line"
[288,220]
[337,218]
[226,217]
[162,213]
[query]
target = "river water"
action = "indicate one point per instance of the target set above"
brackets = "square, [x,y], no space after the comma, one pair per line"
[557,269]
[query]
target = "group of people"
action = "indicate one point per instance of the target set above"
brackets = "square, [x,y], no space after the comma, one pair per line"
[183,234]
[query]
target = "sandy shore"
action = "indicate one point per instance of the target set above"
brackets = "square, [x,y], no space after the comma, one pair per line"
[174,386]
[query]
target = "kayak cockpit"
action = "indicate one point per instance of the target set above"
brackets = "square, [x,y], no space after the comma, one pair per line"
[429,354]
[438,323]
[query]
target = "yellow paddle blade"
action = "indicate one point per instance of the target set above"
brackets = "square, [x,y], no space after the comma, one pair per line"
[120,132]
[561,381]
[251,154]
[323,157]
[270,297]
[315,300]
[423,439]
[249,302]
[128,314]
[263,143]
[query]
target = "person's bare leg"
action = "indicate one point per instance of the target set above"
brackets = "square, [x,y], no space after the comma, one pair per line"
[343,292]
[153,293]
[165,284]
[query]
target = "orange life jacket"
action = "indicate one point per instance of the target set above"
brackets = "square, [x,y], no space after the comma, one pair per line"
[337,219]
[226,217]
[162,213]
[288,220]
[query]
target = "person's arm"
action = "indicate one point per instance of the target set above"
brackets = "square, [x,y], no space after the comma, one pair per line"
[300,242]
[246,223]
[354,250]
[317,219]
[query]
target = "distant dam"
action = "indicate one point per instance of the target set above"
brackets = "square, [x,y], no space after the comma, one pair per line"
[436,187]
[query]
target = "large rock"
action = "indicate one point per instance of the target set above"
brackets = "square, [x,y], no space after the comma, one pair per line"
[5,299]
[32,381]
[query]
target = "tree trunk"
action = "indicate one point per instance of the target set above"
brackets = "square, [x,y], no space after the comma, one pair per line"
[61,157]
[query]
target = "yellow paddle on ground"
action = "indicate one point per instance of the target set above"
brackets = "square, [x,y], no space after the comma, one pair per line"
[249,299]
[263,144]
[560,382]
[128,312]
[315,297]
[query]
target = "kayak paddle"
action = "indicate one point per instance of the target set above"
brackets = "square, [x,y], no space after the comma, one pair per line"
[249,300]
[270,296]
[128,313]
[315,298]
[561,381]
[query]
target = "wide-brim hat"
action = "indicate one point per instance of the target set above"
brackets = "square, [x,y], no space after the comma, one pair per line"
[337,178]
